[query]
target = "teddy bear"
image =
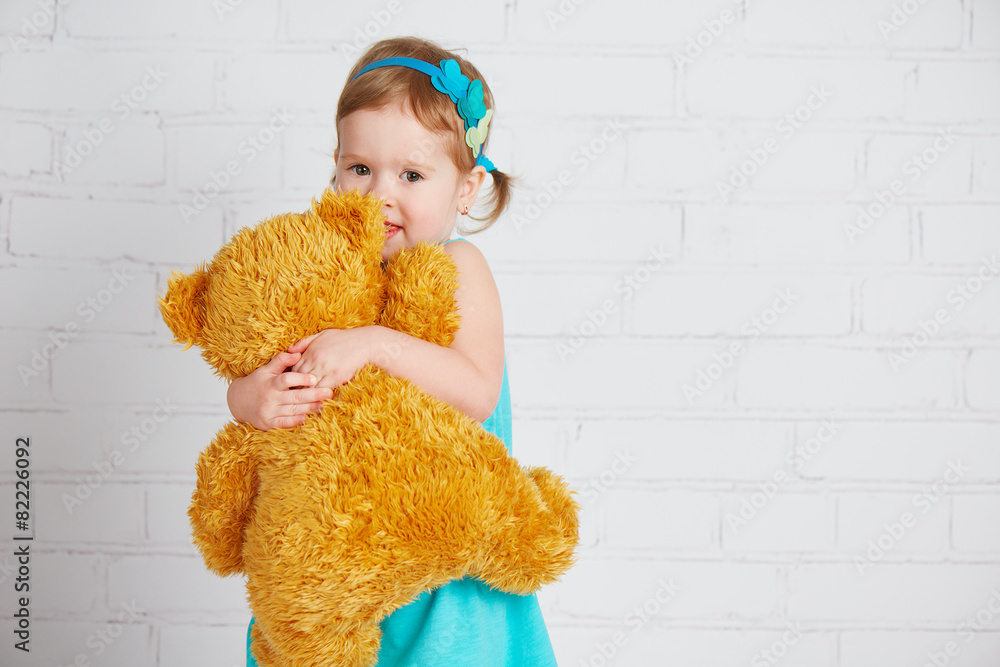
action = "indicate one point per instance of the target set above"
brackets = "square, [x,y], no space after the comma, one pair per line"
[385,492]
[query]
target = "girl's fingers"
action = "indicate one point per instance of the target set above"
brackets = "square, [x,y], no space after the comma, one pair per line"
[288,421]
[315,395]
[282,361]
[293,379]
[301,401]
[305,400]
[301,345]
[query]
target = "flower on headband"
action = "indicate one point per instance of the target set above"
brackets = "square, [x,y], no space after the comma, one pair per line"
[472,108]
[476,136]
[453,83]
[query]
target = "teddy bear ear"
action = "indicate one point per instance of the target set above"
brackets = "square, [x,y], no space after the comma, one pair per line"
[358,217]
[183,306]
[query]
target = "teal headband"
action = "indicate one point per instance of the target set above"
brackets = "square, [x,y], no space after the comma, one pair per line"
[468,95]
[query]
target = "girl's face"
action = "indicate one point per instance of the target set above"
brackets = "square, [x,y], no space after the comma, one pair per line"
[389,153]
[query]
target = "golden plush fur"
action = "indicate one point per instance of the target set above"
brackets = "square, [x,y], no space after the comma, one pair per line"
[387,491]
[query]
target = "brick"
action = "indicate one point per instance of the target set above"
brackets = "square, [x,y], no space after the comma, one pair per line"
[785,522]
[219,162]
[584,302]
[540,442]
[128,578]
[60,584]
[612,588]
[307,158]
[112,640]
[142,231]
[584,161]
[592,521]
[709,155]
[906,166]
[940,307]
[586,23]
[170,446]
[895,451]
[958,234]
[970,525]
[355,27]
[214,644]
[186,85]
[812,161]
[189,380]
[922,518]
[822,376]
[985,24]
[954,92]
[25,149]
[25,19]
[131,154]
[721,166]
[855,23]
[78,302]
[530,232]
[684,520]
[747,305]
[679,449]
[980,379]
[876,648]
[889,593]
[118,19]
[792,92]
[643,373]
[78,512]
[986,166]
[32,386]
[49,432]
[131,440]
[776,234]
[168,506]
[724,647]
[261,81]
[632,85]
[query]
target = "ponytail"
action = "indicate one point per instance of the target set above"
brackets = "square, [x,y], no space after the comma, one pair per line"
[497,202]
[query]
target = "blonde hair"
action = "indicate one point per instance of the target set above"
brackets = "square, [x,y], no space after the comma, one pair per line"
[432,108]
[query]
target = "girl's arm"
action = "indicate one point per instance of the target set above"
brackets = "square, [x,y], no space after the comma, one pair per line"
[467,375]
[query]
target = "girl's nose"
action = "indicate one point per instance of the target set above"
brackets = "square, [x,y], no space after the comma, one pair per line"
[382,187]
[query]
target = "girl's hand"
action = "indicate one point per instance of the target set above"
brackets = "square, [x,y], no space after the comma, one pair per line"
[271,398]
[334,355]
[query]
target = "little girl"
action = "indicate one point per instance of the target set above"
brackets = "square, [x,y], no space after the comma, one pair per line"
[412,123]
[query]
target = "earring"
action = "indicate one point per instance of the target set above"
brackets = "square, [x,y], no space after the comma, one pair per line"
[466,211]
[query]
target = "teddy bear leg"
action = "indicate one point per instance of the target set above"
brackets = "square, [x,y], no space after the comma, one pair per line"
[223,498]
[261,650]
[333,643]
[537,548]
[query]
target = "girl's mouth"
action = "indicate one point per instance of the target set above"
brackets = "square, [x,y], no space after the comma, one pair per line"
[391,230]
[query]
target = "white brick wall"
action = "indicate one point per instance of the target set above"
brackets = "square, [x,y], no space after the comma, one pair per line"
[772,498]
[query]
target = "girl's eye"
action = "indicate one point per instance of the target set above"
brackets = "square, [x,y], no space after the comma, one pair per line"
[359,170]
[412,176]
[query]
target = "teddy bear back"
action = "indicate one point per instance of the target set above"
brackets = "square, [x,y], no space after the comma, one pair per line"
[281,280]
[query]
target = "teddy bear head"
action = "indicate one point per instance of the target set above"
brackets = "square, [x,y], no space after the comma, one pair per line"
[279,281]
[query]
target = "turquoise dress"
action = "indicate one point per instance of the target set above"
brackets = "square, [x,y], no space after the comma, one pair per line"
[466,622]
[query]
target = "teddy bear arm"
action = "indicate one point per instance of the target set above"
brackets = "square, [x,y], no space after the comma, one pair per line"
[420,294]
[223,498]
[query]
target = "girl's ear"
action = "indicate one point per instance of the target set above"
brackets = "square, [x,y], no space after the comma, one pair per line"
[469,186]
[183,306]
